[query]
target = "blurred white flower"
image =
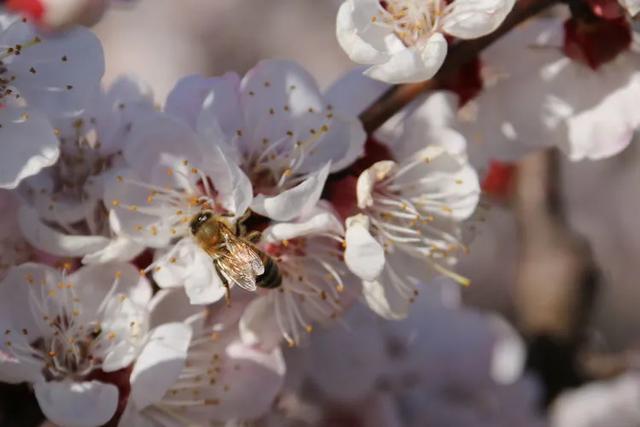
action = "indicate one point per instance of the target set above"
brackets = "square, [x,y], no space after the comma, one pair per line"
[632,6]
[308,252]
[40,75]
[409,211]
[443,366]
[61,329]
[65,215]
[279,129]
[588,112]
[611,403]
[195,370]
[404,40]
[172,175]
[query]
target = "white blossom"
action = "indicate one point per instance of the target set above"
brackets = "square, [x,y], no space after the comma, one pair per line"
[60,328]
[40,77]
[443,365]
[276,125]
[65,214]
[408,224]
[172,176]
[587,113]
[314,286]
[404,40]
[632,6]
[195,370]
[600,403]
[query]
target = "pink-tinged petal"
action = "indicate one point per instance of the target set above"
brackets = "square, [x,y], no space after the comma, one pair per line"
[160,362]
[29,145]
[361,40]
[293,202]
[363,254]
[77,404]
[470,19]
[410,64]
[54,242]
[258,326]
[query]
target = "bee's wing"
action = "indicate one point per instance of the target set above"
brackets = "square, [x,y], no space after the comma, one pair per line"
[240,264]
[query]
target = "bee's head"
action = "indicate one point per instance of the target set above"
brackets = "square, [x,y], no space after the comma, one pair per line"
[199,220]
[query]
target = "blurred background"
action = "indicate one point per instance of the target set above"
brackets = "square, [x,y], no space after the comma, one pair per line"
[160,41]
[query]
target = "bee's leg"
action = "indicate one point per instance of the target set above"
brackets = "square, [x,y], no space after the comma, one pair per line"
[227,294]
[253,237]
[241,229]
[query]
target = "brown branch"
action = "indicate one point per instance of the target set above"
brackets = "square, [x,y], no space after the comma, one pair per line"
[397,97]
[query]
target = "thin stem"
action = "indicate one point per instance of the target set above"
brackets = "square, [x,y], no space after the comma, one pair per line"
[399,96]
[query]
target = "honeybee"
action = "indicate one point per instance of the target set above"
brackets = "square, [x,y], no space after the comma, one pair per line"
[234,254]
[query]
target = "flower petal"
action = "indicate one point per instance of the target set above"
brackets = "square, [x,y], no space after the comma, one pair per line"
[54,242]
[160,362]
[410,65]
[253,375]
[363,254]
[354,92]
[29,145]
[60,88]
[187,96]
[362,41]
[470,19]
[293,202]
[258,325]
[384,300]
[320,220]
[77,404]
[189,266]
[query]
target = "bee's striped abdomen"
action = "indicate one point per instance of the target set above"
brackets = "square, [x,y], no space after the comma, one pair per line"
[271,277]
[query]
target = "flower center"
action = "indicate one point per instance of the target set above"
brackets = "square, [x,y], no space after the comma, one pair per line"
[412,21]
[173,206]
[312,285]
[68,342]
